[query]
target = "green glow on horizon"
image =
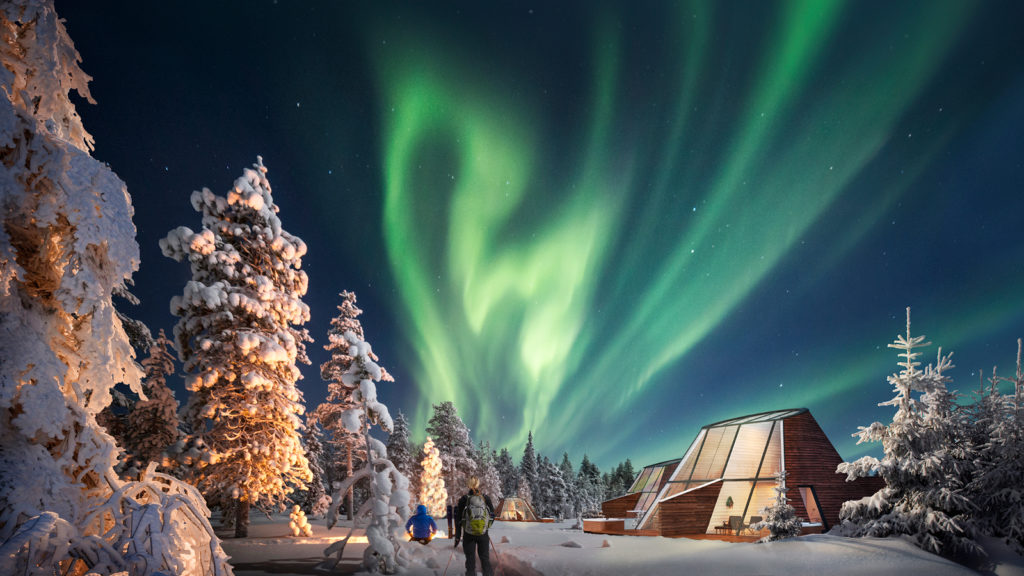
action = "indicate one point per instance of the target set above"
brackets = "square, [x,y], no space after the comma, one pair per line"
[506,271]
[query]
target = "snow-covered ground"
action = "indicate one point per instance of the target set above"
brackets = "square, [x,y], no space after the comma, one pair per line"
[530,549]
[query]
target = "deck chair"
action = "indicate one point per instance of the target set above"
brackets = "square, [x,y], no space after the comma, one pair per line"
[736,524]
[754,520]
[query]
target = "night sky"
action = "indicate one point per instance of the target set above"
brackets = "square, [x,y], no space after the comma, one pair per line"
[607,222]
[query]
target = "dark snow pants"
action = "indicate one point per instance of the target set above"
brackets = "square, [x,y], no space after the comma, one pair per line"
[474,545]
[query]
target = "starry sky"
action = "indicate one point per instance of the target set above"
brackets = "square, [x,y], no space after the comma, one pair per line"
[606,222]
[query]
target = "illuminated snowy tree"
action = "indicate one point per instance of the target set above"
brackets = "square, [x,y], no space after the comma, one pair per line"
[919,500]
[388,507]
[433,494]
[345,443]
[779,517]
[67,243]
[239,343]
[153,423]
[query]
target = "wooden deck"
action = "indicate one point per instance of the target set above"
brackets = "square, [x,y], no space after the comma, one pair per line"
[722,537]
[616,527]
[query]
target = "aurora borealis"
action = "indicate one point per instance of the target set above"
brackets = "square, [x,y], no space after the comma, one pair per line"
[609,223]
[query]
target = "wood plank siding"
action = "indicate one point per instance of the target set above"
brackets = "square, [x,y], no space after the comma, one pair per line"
[617,507]
[688,513]
[811,460]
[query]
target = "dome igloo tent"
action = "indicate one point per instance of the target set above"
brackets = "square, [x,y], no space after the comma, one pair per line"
[515,509]
[729,470]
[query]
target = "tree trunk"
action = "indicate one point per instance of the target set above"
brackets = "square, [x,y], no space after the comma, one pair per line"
[242,519]
[351,491]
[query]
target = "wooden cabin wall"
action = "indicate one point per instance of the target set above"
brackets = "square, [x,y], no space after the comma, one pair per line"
[688,513]
[617,507]
[811,460]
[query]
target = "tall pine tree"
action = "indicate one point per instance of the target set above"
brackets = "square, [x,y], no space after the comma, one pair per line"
[451,436]
[528,470]
[507,472]
[345,443]
[400,451]
[998,471]
[918,499]
[551,491]
[490,481]
[571,506]
[591,488]
[239,340]
[316,501]
[388,506]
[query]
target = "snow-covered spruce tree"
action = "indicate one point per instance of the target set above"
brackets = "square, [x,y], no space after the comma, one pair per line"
[1009,499]
[591,488]
[528,472]
[433,493]
[345,444]
[779,517]
[67,243]
[571,504]
[400,451]
[388,506]
[490,482]
[998,458]
[922,498]
[507,472]
[238,339]
[315,502]
[451,436]
[619,480]
[552,491]
[153,423]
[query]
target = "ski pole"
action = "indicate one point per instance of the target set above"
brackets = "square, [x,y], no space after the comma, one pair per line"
[450,556]
[497,557]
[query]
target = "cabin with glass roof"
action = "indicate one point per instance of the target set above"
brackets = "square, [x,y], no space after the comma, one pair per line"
[729,471]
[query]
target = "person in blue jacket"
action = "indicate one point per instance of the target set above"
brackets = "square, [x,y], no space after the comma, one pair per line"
[421,526]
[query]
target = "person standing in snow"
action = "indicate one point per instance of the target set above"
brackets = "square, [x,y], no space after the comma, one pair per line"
[473,516]
[421,526]
[448,516]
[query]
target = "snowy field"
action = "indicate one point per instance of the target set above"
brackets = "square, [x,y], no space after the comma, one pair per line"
[529,549]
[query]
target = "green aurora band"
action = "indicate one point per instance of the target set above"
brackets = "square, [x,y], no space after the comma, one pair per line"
[527,282]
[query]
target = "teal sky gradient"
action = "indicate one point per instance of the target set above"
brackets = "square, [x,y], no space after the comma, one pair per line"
[607,223]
